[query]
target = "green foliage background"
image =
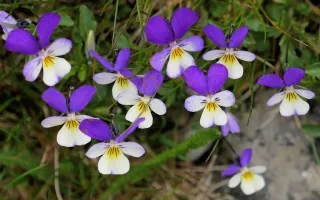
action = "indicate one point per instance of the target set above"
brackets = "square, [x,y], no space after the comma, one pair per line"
[280,31]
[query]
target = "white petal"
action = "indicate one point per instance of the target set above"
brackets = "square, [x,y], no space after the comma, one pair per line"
[158,106]
[132,149]
[53,121]
[245,55]
[301,107]
[118,165]
[224,98]
[206,119]
[195,103]
[125,86]
[80,118]
[186,60]
[213,114]
[104,78]
[128,98]
[213,54]
[55,70]
[173,68]
[258,182]
[275,99]
[97,150]
[286,108]
[135,111]
[235,69]
[59,47]
[234,181]
[32,69]
[179,60]
[258,169]
[305,93]
[69,137]
[81,138]
[247,187]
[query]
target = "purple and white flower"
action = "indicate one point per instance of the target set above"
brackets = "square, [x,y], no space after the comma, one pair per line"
[112,150]
[7,23]
[125,80]
[46,56]
[291,102]
[160,32]
[151,82]
[231,125]
[249,177]
[70,134]
[227,54]
[210,97]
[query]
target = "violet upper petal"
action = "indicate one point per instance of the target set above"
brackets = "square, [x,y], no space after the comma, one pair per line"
[193,43]
[215,34]
[96,129]
[55,100]
[104,62]
[158,59]
[158,31]
[130,130]
[151,83]
[196,80]
[182,20]
[22,41]
[122,59]
[246,157]
[271,80]
[81,97]
[238,36]
[47,24]
[232,169]
[293,76]
[132,77]
[217,76]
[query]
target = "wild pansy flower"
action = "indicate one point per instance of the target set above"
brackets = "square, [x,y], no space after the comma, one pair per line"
[69,135]
[210,98]
[125,80]
[151,82]
[231,125]
[112,150]
[249,177]
[54,68]
[7,23]
[160,32]
[291,104]
[227,54]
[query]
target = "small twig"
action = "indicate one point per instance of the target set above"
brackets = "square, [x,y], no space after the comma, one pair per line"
[56,173]
[264,61]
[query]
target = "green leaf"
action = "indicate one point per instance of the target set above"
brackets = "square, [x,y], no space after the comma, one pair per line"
[82,74]
[312,130]
[314,70]
[65,20]
[86,21]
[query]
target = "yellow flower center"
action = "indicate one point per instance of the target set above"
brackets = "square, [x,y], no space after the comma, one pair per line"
[143,107]
[124,82]
[48,61]
[176,53]
[229,59]
[212,106]
[113,152]
[247,176]
[291,97]
[72,124]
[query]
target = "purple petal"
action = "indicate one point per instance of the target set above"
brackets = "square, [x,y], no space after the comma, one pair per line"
[271,80]
[233,123]
[105,63]
[96,129]
[130,130]
[293,76]
[22,41]
[217,76]
[182,20]
[193,43]
[55,99]
[232,169]
[81,97]
[157,60]
[225,130]
[32,69]
[246,157]
[151,82]
[132,77]
[196,80]
[47,24]
[216,35]
[238,36]
[122,59]
[158,31]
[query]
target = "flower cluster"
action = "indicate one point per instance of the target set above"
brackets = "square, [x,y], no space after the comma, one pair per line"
[140,91]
